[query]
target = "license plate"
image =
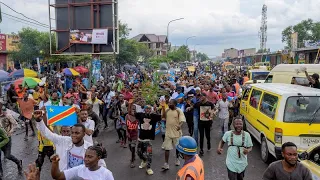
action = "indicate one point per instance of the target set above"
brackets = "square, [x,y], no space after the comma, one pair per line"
[310,140]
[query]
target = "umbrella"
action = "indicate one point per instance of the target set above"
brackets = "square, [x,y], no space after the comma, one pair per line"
[29,81]
[3,75]
[81,69]
[70,72]
[23,73]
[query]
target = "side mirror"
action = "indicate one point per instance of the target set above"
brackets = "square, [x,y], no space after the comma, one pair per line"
[303,156]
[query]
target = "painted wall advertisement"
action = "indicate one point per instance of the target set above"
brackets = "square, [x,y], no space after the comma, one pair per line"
[95,36]
[96,69]
[3,42]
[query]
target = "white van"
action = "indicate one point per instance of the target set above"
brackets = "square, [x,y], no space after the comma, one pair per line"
[283,73]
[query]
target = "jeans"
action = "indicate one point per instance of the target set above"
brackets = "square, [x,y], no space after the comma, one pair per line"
[195,125]
[145,152]
[7,153]
[204,128]
[105,116]
[235,176]
[224,125]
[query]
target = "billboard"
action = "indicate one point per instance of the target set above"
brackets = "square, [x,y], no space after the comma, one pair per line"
[84,26]
[3,42]
[95,36]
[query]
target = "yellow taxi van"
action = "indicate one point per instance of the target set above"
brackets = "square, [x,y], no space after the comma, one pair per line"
[276,113]
[284,73]
[257,76]
[311,159]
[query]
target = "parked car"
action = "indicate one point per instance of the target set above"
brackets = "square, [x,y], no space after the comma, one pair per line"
[311,159]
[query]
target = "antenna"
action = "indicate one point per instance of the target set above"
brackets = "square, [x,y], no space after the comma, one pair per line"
[263,29]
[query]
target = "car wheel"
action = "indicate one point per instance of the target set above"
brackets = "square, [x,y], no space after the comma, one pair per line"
[265,155]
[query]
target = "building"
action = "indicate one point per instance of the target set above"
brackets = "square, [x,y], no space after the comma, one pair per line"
[8,43]
[157,43]
[230,53]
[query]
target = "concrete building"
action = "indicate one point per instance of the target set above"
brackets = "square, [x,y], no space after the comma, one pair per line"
[157,43]
[8,43]
[231,53]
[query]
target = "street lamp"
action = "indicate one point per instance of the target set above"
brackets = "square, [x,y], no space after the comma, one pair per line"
[168,32]
[187,51]
[194,51]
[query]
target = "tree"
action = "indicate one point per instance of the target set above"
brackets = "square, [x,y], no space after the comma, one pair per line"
[155,61]
[202,56]
[307,31]
[33,44]
[144,52]
[180,54]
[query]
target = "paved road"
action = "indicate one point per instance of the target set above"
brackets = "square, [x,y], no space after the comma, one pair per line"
[118,160]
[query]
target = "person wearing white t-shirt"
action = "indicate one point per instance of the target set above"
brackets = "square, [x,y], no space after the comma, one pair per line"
[90,170]
[88,124]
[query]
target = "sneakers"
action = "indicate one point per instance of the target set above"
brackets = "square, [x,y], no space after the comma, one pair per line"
[124,145]
[118,141]
[177,162]
[165,166]
[149,171]
[25,138]
[132,165]
[143,165]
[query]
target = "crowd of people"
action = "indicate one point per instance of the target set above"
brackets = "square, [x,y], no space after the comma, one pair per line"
[195,98]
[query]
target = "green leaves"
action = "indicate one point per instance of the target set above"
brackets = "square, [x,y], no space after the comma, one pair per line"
[307,31]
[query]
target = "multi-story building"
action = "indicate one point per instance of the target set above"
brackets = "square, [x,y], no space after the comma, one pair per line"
[231,53]
[157,43]
[8,43]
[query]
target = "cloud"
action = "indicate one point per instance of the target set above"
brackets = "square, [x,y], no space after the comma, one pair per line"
[217,24]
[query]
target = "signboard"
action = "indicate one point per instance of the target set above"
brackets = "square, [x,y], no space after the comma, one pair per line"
[3,42]
[312,43]
[89,27]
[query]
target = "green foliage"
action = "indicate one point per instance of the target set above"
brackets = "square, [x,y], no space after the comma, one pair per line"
[144,52]
[151,91]
[307,31]
[128,51]
[155,61]
[124,30]
[202,56]
[33,44]
[180,54]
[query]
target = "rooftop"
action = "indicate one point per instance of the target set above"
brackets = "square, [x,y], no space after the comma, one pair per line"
[287,89]
[150,38]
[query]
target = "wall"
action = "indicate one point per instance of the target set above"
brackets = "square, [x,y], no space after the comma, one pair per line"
[231,53]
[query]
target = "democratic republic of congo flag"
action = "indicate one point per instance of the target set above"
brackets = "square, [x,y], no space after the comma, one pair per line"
[61,115]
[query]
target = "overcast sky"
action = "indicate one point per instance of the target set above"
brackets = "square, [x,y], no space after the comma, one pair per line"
[217,24]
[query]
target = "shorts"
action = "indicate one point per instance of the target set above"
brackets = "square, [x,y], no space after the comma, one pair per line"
[170,142]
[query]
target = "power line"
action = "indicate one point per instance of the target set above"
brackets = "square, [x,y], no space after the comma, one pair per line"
[24,20]
[23,14]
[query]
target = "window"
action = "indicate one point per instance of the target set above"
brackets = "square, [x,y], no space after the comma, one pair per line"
[255,98]
[158,45]
[296,112]
[246,94]
[269,79]
[315,156]
[268,105]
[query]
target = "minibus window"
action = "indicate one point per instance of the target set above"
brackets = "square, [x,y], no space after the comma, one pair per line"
[255,98]
[268,105]
[246,94]
[296,112]
[269,79]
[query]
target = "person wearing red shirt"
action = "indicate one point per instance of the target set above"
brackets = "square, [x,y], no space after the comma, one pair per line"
[127,95]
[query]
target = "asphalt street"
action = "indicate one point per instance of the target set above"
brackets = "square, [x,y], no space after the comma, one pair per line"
[118,160]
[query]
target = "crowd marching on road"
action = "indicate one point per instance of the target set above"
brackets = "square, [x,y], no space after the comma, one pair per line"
[197,99]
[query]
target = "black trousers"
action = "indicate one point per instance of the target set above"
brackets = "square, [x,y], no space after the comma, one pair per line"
[204,128]
[46,151]
[235,176]
[6,149]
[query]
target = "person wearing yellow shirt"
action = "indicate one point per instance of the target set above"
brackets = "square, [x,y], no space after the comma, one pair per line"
[36,96]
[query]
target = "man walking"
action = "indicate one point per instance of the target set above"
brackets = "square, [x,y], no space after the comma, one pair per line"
[240,144]
[7,125]
[174,118]
[289,168]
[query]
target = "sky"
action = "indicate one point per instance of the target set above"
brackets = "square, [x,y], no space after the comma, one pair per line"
[217,24]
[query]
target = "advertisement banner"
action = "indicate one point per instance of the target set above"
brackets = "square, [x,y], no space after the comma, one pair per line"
[95,36]
[3,42]
[81,36]
[100,36]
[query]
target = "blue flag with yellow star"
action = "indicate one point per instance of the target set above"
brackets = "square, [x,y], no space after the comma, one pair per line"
[61,115]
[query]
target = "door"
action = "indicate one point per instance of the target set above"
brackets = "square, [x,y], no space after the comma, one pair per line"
[253,113]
